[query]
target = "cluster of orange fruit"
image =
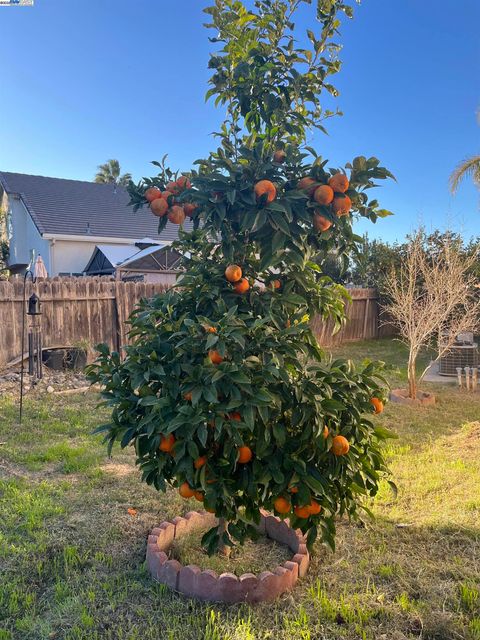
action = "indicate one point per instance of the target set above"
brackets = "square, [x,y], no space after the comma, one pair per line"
[283,506]
[234,274]
[245,454]
[340,447]
[186,491]
[331,194]
[164,203]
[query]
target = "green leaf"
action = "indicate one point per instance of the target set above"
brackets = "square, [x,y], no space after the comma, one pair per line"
[394,489]
[385,434]
[193,450]
[332,405]
[211,341]
[281,224]
[278,241]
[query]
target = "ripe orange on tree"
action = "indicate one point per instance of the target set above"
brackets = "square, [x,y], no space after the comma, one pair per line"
[200,462]
[189,209]
[244,455]
[323,194]
[325,432]
[277,284]
[293,489]
[235,416]
[176,214]
[186,491]
[279,156]
[314,508]
[340,446]
[166,443]
[342,205]
[282,505]
[159,207]
[339,183]
[183,183]
[302,512]
[377,405]
[320,223]
[167,195]
[199,495]
[209,329]
[266,187]
[173,187]
[233,273]
[215,357]
[242,286]
[188,396]
[308,185]
[152,194]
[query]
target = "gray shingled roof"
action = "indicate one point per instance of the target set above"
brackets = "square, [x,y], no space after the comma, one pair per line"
[69,207]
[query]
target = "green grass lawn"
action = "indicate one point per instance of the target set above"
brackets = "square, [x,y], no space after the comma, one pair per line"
[72,558]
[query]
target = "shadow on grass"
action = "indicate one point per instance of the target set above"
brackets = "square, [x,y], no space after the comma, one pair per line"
[89,581]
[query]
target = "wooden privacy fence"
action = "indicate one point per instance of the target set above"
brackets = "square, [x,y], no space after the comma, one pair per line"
[365,320]
[73,309]
[96,310]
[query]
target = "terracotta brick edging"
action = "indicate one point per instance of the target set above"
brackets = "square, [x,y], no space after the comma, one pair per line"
[401,397]
[207,585]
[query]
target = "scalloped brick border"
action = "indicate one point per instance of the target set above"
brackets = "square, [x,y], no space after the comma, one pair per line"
[207,585]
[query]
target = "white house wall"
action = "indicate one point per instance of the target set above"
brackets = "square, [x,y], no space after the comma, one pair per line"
[70,256]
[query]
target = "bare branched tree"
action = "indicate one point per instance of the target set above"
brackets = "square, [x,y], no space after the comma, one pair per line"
[432,297]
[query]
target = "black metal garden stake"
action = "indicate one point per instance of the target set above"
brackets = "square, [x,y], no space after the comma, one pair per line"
[34,337]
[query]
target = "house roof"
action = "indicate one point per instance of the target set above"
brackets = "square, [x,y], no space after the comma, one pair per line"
[105,258]
[156,258]
[73,207]
[117,253]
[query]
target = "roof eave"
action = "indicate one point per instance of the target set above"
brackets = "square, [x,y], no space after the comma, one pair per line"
[95,239]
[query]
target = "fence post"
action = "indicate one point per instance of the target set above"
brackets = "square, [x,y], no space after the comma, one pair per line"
[365,317]
[119,319]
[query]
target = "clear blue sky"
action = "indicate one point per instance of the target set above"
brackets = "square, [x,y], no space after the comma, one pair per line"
[82,81]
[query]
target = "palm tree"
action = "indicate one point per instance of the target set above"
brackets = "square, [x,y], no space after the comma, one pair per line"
[469,168]
[110,173]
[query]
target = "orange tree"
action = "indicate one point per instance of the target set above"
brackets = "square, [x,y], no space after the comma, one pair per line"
[223,391]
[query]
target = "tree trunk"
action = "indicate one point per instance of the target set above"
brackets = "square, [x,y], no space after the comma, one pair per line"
[412,376]
[223,549]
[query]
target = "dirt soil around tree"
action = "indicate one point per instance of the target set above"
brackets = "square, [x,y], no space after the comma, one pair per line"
[73,529]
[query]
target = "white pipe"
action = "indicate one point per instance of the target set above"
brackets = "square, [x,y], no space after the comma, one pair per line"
[474,378]
[459,376]
[467,378]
